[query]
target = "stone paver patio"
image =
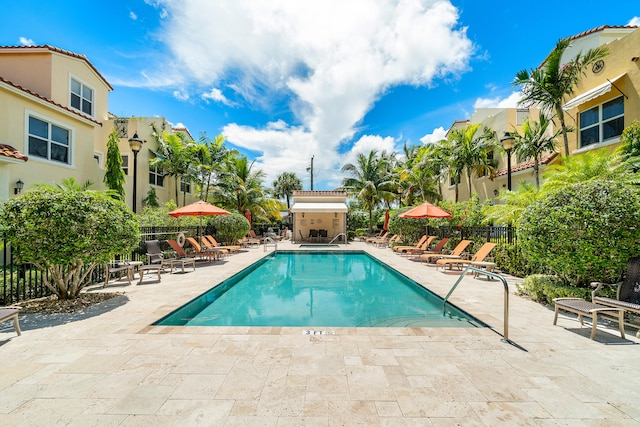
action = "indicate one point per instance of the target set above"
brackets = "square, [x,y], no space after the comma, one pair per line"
[109,366]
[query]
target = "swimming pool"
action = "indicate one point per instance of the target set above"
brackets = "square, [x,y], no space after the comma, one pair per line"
[320,289]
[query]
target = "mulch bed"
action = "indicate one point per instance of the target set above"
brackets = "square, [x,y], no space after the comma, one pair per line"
[51,304]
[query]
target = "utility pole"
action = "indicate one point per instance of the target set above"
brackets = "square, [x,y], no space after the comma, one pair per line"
[311,169]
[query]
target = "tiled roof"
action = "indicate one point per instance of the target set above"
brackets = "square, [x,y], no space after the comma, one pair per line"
[600,28]
[77,113]
[12,153]
[320,193]
[545,160]
[61,51]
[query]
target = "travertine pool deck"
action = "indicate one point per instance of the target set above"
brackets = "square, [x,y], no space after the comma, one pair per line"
[108,366]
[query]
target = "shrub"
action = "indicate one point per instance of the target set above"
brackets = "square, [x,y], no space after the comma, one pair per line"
[583,232]
[229,228]
[68,234]
[510,259]
[544,288]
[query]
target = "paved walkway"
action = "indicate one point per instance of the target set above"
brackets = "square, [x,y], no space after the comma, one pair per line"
[109,366]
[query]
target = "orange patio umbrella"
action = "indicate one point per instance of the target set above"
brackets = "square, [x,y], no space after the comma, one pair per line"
[425,210]
[198,208]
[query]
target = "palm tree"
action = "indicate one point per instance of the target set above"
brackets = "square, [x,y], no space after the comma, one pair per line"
[470,151]
[417,180]
[175,156]
[285,184]
[598,164]
[515,203]
[371,181]
[240,189]
[534,142]
[209,154]
[548,85]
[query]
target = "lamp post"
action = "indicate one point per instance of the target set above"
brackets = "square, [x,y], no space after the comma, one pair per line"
[135,144]
[507,142]
[19,186]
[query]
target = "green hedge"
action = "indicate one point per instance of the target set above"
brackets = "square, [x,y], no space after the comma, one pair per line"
[543,288]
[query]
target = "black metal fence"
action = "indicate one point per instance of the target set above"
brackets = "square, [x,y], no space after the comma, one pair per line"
[20,282]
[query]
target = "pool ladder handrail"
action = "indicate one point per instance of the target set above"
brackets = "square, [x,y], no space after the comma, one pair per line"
[268,240]
[506,297]
[346,241]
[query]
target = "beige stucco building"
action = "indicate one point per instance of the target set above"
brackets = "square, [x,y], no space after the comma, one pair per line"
[55,124]
[319,216]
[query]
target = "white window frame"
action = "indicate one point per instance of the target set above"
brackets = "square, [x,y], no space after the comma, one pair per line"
[183,184]
[99,157]
[522,114]
[153,170]
[599,124]
[126,165]
[83,86]
[49,121]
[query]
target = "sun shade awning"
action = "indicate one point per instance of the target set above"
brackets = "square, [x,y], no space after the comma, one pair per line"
[319,207]
[591,94]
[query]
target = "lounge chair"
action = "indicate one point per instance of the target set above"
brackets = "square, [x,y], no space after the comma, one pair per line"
[392,239]
[419,248]
[181,258]
[459,262]
[627,294]
[155,254]
[211,255]
[215,244]
[383,242]
[380,235]
[456,253]
[254,236]
[399,248]
[11,312]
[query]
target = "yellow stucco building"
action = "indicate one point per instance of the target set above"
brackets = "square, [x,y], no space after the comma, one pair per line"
[605,101]
[55,124]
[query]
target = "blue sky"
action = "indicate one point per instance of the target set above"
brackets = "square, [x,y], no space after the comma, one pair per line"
[285,80]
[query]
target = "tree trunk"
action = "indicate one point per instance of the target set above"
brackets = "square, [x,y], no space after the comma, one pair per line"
[536,170]
[563,126]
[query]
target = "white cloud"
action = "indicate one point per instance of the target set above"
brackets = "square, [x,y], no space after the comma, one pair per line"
[26,42]
[334,58]
[510,102]
[181,94]
[438,134]
[215,95]
[635,21]
[133,16]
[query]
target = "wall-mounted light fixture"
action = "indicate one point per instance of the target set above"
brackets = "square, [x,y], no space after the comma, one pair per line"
[19,186]
[302,214]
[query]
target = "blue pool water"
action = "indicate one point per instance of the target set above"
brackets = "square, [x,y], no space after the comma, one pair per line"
[319,288]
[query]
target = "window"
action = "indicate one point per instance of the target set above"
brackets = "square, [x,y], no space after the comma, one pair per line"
[155,176]
[185,186]
[98,158]
[81,97]
[125,163]
[484,171]
[49,141]
[602,123]
[521,116]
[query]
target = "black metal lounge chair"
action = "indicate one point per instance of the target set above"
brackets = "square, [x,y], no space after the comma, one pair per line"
[627,295]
